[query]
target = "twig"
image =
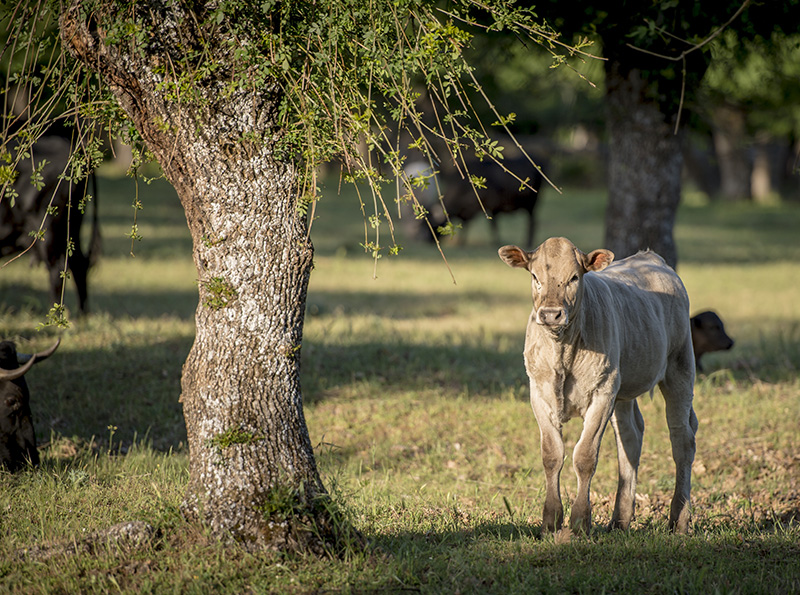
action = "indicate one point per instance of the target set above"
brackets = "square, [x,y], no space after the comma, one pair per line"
[683,54]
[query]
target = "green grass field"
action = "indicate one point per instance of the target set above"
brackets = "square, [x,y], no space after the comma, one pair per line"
[416,401]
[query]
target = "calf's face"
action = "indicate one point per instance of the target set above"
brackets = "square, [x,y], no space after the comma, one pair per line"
[557,268]
[708,333]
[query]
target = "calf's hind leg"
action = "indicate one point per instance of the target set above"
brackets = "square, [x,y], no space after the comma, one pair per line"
[628,427]
[682,423]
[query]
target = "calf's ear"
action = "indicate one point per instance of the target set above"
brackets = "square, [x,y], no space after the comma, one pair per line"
[514,256]
[597,260]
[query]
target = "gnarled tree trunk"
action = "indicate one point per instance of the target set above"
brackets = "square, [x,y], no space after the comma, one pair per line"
[253,475]
[644,171]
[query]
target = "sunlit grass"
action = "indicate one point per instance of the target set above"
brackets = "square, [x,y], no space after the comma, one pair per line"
[417,404]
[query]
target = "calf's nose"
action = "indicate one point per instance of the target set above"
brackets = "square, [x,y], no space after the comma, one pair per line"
[552,316]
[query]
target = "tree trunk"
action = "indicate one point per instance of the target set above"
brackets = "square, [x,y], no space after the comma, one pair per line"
[645,162]
[700,164]
[253,476]
[729,145]
[761,178]
[249,449]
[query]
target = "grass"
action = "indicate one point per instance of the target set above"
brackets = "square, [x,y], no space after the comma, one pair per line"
[416,400]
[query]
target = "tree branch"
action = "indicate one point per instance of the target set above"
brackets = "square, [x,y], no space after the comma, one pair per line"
[706,41]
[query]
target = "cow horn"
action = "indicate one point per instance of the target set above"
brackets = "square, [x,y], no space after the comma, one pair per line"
[38,357]
[14,374]
[43,355]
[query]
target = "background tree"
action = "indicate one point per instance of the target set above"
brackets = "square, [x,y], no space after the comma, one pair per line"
[239,102]
[748,107]
[656,54]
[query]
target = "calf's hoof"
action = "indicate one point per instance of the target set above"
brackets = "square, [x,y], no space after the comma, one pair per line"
[618,525]
[552,521]
[680,517]
[679,526]
[581,525]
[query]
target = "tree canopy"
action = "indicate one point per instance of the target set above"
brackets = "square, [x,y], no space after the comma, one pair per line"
[391,77]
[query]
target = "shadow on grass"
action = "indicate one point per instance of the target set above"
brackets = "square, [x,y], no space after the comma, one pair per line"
[401,305]
[135,303]
[508,558]
[123,391]
[392,365]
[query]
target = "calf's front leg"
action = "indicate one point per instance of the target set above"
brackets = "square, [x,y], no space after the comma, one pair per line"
[552,445]
[584,460]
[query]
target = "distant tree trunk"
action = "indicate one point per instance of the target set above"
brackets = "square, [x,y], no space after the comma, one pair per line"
[645,162]
[253,476]
[761,178]
[700,163]
[729,145]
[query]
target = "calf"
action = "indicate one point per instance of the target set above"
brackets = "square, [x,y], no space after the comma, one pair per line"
[17,438]
[61,245]
[708,334]
[599,336]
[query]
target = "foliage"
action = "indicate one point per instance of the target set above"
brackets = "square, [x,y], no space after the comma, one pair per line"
[668,41]
[760,75]
[546,101]
[364,84]
[391,76]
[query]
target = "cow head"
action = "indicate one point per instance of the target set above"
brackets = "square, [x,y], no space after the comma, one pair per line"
[17,438]
[557,268]
[708,334]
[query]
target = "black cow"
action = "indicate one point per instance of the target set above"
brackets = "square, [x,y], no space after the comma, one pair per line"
[17,438]
[63,225]
[503,194]
[708,334]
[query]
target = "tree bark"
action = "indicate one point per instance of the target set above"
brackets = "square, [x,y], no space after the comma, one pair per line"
[253,475]
[644,174]
[730,147]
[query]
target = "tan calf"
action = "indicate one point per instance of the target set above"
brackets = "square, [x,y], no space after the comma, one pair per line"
[599,336]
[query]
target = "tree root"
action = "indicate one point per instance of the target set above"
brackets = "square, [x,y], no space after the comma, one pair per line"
[127,536]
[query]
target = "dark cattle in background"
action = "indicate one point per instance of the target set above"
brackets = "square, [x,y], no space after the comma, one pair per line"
[501,195]
[30,208]
[17,438]
[708,334]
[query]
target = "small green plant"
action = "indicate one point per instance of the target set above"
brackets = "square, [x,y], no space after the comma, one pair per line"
[233,436]
[448,229]
[209,242]
[283,502]
[226,439]
[111,429]
[220,293]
